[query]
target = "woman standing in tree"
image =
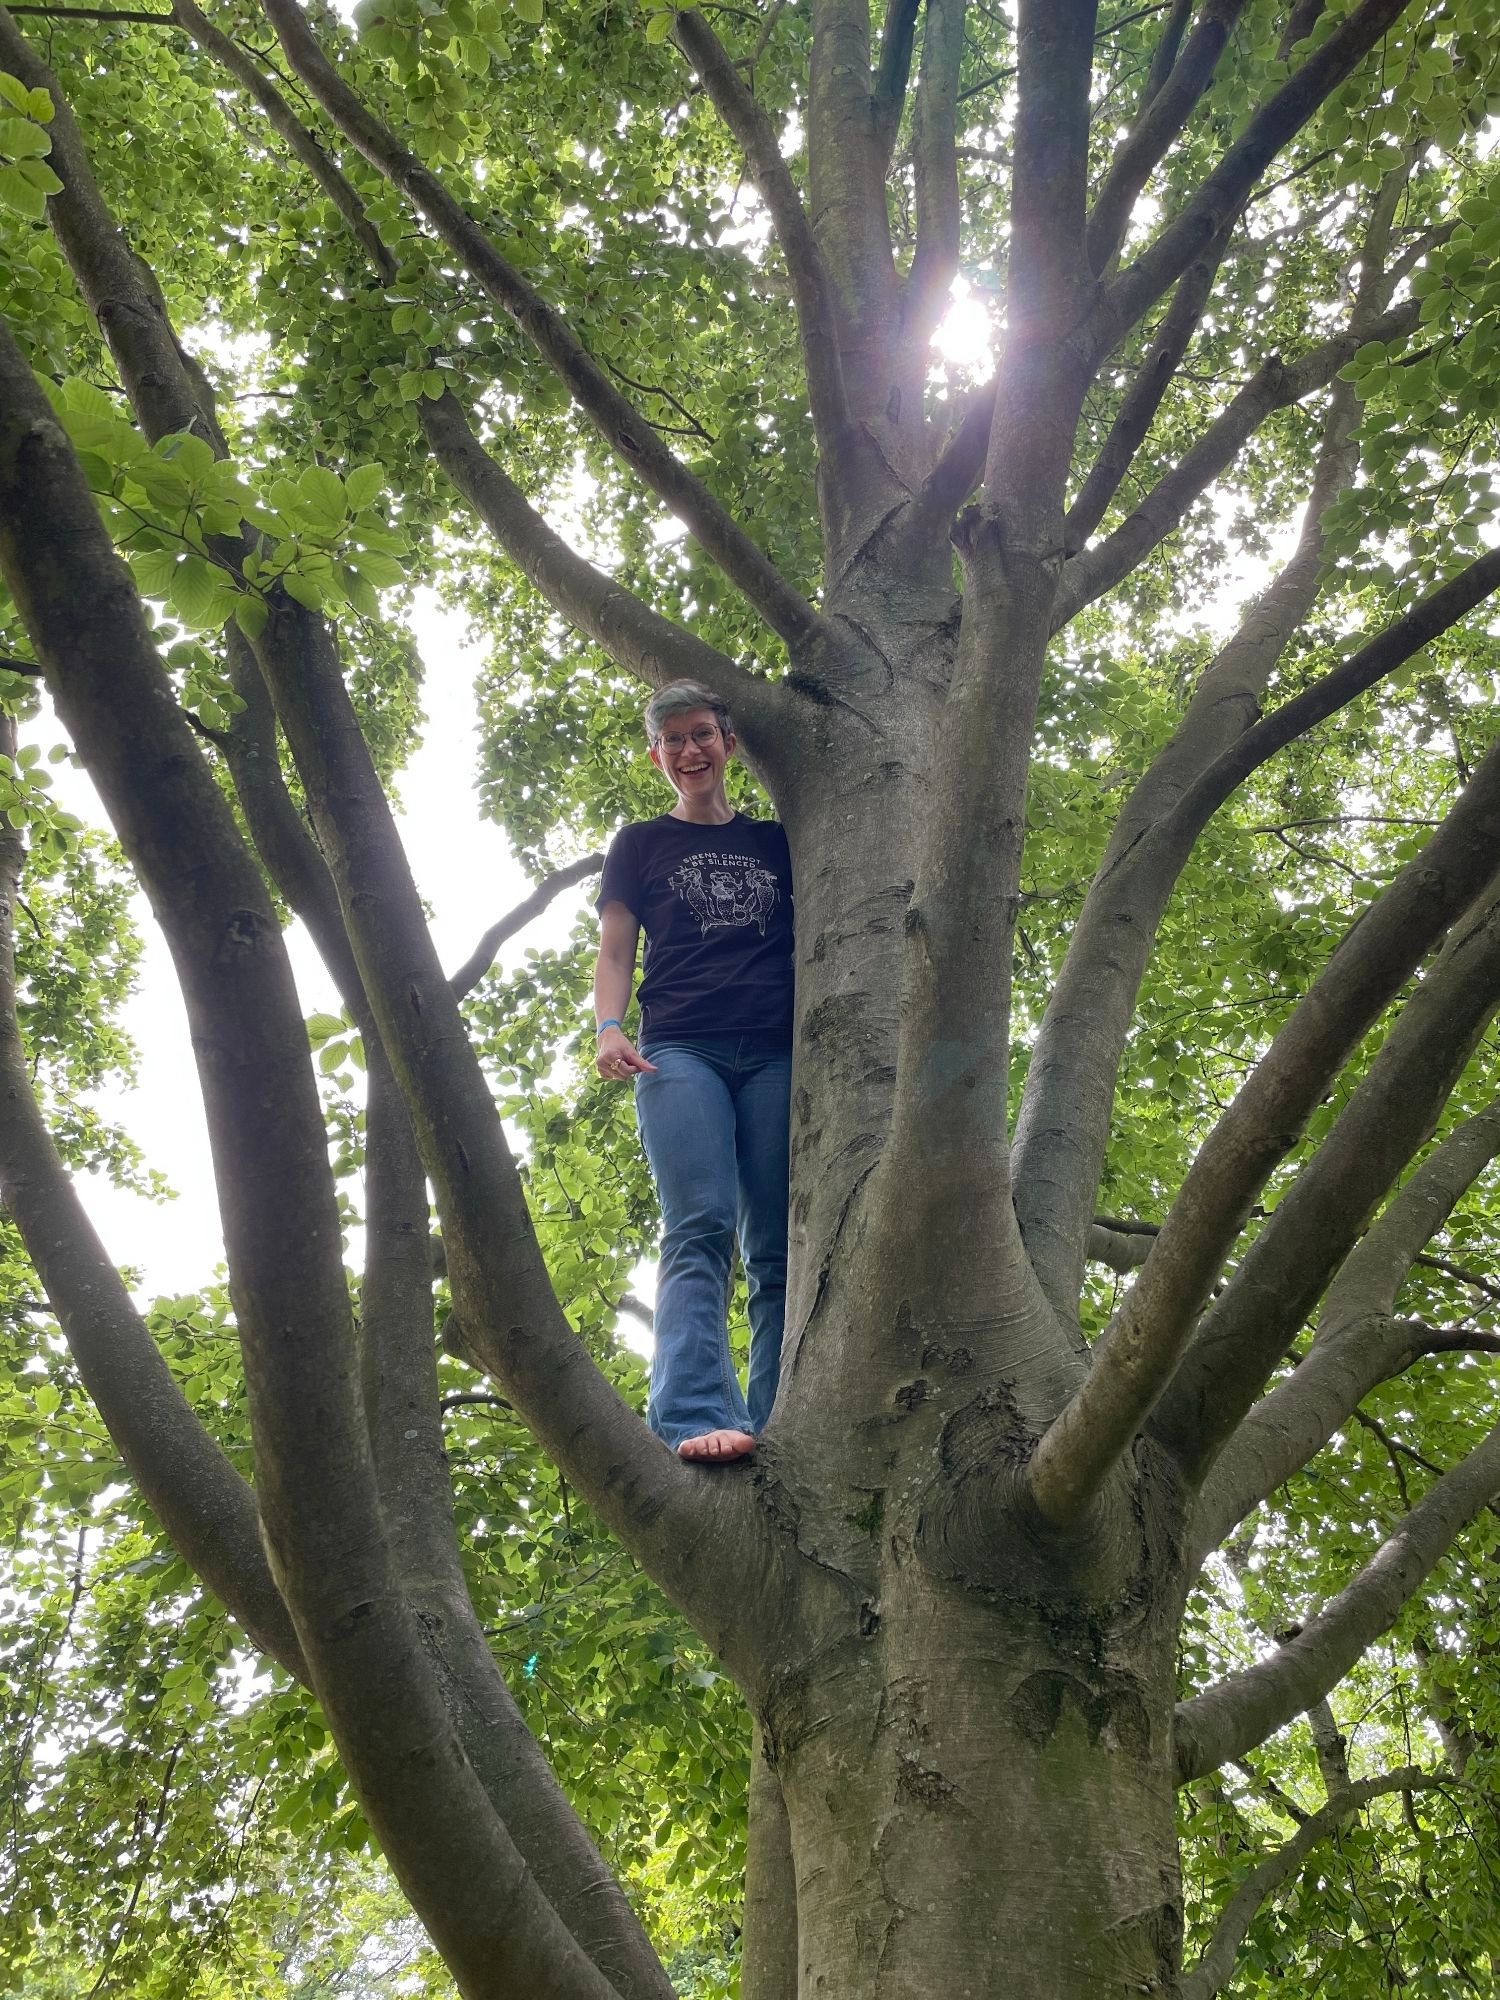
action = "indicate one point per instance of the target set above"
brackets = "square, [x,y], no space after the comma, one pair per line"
[713,892]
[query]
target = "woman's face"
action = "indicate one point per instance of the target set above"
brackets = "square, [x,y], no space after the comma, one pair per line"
[695,769]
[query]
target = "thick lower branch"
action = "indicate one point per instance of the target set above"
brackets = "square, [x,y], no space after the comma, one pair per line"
[206,1508]
[455,1860]
[399,1374]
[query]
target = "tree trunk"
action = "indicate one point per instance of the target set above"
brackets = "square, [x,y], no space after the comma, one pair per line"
[988,1812]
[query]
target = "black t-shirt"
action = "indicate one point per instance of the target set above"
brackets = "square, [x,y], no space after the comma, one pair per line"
[715,903]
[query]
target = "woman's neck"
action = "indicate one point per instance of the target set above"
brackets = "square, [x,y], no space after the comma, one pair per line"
[712,811]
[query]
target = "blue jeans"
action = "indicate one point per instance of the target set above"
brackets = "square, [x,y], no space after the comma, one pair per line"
[714,1119]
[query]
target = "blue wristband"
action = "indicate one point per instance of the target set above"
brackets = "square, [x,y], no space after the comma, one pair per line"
[602,1025]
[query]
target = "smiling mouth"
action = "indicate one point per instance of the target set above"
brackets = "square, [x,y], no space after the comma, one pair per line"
[691,770]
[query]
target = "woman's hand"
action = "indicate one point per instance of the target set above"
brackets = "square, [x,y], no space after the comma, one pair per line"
[617,1058]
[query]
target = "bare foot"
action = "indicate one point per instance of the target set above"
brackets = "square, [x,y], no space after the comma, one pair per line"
[717,1447]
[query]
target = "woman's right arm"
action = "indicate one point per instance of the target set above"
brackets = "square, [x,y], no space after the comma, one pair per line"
[614,973]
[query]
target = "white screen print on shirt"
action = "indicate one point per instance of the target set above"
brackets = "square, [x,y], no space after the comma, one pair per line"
[725,891]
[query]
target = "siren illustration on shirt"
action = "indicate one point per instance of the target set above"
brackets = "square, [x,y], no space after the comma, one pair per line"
[726,890]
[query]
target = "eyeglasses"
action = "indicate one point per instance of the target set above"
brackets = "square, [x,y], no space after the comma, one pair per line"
[706,733]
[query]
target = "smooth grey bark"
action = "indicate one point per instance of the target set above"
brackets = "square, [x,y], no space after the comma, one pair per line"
[768,1947]
[1391,1113]
[1136,1360]
[1062,1127]
[206,1507]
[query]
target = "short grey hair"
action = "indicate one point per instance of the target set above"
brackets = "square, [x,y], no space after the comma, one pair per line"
[681,698]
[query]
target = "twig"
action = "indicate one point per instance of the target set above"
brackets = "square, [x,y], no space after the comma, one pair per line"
[482,957]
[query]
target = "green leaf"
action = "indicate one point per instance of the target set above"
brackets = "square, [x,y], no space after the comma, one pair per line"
[194,587]
[154,570]
[41,176]
[659,25]
[192,454]
[21,140]
[16,192]
[304,589]
[377,567]
[161,481]
[322,492]
[364,485]
[250,614]
[530,11]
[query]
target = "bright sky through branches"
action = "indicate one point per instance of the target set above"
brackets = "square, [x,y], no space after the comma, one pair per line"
[463,867]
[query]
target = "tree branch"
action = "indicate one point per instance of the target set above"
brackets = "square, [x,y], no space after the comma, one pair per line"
[232,56]
[1144,398]
[281,1226]
[207,1509]
[935,259]
[634,635]
[1276,385]
[59,13]
[1225,190]
[849,137]
[1166,112]
[1391,1112]
[277,829]
[1044,369]
[1359,1342]
[1139,1351]
[812,291]
[513,1325]
[1119,1251]
[398,1368]
[893,70]
[613,415]
[949,1106]
[639,638]
[1215,1967]
[1377,1267]
[1246,1707]
[1062,1129]
[959,464]
[479,961]
[1164,55]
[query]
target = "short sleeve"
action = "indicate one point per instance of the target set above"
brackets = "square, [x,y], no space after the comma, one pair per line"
[621,880]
